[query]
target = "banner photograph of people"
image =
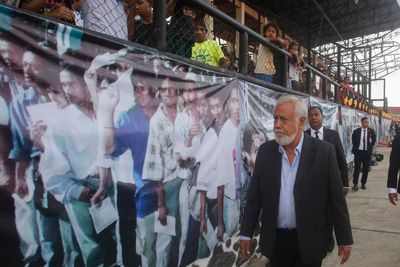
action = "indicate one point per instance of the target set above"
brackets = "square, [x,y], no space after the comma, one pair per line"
[112,155]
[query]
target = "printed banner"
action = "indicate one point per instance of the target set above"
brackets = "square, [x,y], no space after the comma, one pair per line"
[116,155]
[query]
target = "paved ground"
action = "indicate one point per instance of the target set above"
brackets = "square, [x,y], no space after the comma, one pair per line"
[375,223]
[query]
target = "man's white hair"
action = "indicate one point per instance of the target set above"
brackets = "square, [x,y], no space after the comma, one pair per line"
[300,107]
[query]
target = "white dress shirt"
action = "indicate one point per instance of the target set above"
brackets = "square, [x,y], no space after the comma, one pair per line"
[363,139]
[320,133]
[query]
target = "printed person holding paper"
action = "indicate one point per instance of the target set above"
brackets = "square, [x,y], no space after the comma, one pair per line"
[131,133]
[74,180]
[189,130]
[209,184]
[27,157]
[160,166]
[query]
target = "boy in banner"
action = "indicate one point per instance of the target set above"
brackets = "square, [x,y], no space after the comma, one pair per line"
[253,138]
[74,180]
[209,184]
[160,166]
[228,165]
[131,133]
[205,50]
[189,130]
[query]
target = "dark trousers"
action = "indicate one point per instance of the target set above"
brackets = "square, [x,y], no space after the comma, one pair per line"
[286,252]
[361,157]
[127,224]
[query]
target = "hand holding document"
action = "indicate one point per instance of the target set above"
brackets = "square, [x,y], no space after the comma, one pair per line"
[42,112]
[104,215]
[168,229]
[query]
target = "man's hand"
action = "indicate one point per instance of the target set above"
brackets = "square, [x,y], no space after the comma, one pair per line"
[345,191]
[98,197]
[245,248]
[393,198]
[21,188]
[203,225]
[162,215]
[344,253]
[62,13]
[220,232]
[36,131]
[108,99]
[86,194]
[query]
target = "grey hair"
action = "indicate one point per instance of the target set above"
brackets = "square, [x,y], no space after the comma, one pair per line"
[299,105]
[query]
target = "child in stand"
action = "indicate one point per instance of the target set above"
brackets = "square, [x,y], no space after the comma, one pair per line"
[205,50]
[295,65]
[265,68]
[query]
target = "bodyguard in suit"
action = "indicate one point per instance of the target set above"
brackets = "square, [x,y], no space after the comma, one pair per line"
[394,166]
[296,183]
[315,117]
[363,140]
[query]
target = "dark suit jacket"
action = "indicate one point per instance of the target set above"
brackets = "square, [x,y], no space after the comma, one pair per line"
[394,166]
[355,138]
[318,197]
[332,136]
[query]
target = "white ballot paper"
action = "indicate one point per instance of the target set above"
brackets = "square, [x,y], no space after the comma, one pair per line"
[42,112]
[104,215]
[210,236]
[168,229]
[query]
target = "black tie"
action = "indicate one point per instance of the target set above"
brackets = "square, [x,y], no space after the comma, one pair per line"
[365,140]
[316,135]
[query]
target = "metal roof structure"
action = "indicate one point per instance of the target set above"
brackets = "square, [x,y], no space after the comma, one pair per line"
[364,29]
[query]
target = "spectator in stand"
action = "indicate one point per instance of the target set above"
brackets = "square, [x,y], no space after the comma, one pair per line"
[265,68]
[145,29]
[286,43]
[58,9]
[346,83]
[180,31]
[330,96]
[295,65]
[301,86]
[106,17]
[205,50]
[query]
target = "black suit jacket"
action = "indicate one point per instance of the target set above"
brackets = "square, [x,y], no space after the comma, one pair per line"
[318,196]
[332,136]
[356,136]
[394,166]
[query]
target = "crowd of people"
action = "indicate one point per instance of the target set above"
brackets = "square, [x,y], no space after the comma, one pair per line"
[133,20]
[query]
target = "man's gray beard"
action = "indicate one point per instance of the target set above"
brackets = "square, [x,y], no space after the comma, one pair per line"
[285,139]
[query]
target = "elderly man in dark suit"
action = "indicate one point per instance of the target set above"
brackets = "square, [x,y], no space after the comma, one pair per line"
[296,183]
[393,184]
[363,140]
[315,118]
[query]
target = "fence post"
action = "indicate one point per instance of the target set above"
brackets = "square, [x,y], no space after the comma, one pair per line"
[160,21]
[285,70]
[243,52]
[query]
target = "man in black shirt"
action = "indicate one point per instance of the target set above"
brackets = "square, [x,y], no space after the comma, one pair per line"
[145,29]
[180,31]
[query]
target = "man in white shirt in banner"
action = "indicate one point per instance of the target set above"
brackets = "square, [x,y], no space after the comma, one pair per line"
[161,167]
[74,180]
